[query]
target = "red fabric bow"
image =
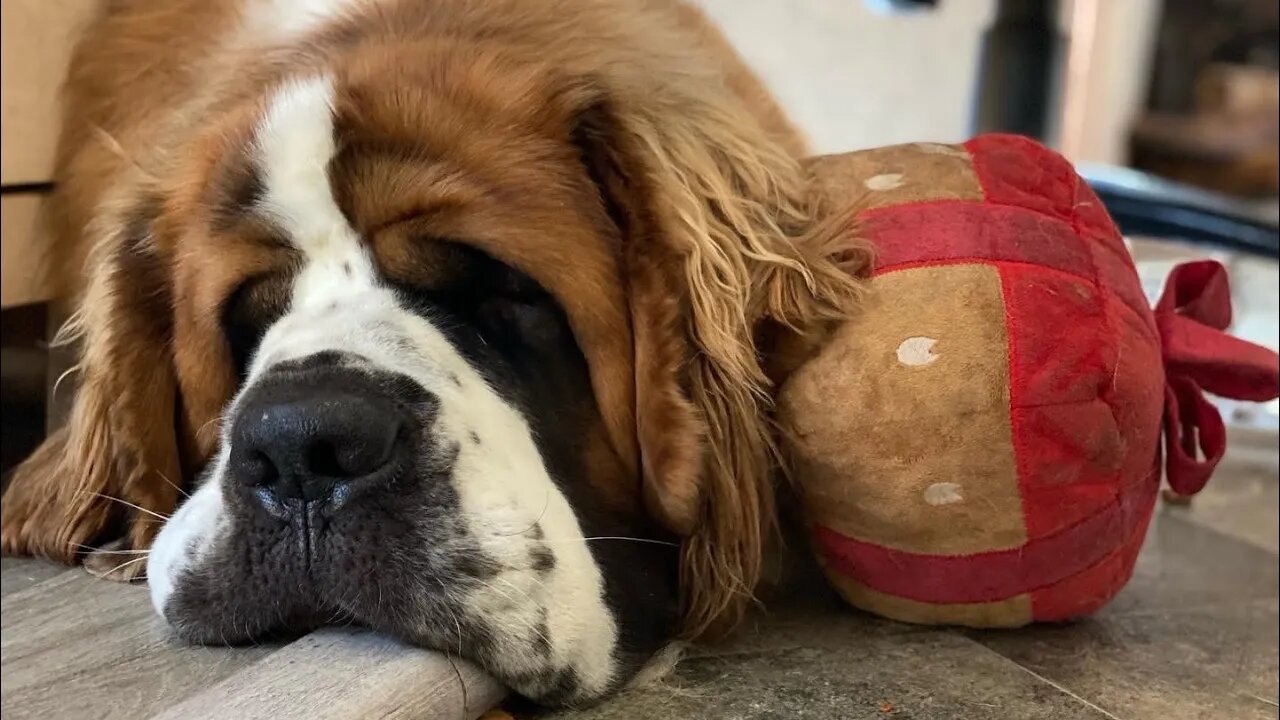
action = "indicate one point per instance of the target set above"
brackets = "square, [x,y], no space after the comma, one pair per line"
[1191,317]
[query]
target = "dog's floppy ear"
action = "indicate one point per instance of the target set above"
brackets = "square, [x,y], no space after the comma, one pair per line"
[119,445]
[717,237]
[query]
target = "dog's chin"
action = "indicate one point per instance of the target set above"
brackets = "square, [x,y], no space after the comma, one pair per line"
[512,601]
[509,586]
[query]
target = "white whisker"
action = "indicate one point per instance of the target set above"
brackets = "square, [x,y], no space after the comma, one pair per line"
[139,508]
[124,564]
[202,428]
[97,551]
[173,484]
[649,541]
[546,502]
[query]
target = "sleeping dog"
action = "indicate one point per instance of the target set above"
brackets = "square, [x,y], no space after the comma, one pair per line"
[438,316]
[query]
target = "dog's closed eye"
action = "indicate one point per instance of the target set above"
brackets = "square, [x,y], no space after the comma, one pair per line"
[503,304]
[248,312]
[533,321]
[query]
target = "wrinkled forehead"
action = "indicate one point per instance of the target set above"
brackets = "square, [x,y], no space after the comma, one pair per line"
[315,189]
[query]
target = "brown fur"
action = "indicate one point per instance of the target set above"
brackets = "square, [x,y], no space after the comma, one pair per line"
[700,231]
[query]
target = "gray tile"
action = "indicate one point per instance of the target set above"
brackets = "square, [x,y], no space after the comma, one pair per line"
[1185,565]
[804,612]
[1211,662]
[1193,635]
[923,676]
[1242,498]
[788,629]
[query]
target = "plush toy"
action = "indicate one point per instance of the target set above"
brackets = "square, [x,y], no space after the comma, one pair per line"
[982,445]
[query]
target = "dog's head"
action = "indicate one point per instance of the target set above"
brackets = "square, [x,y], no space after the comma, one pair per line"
[460,349]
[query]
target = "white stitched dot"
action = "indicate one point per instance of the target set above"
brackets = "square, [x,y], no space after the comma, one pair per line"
[917,351]
[887,181]
[943,494]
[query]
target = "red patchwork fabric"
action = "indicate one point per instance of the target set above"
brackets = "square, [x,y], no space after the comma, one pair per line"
[1100,387]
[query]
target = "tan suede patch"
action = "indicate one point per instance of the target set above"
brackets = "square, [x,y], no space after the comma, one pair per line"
[900,425]
[1009,613]
[896,175]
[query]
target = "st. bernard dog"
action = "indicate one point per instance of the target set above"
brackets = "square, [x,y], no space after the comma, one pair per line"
[439,316]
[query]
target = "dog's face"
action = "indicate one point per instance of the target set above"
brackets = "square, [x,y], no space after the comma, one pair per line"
[414,442]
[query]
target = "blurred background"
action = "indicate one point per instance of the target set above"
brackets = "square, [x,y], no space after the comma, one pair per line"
[1186,88]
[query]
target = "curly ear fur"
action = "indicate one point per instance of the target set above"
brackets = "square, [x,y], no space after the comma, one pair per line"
[114,466]
[719,235]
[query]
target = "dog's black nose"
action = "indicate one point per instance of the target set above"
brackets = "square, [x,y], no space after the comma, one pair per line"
[305,435]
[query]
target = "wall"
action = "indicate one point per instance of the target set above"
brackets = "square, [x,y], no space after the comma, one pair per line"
[855,76]
[1110,89]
